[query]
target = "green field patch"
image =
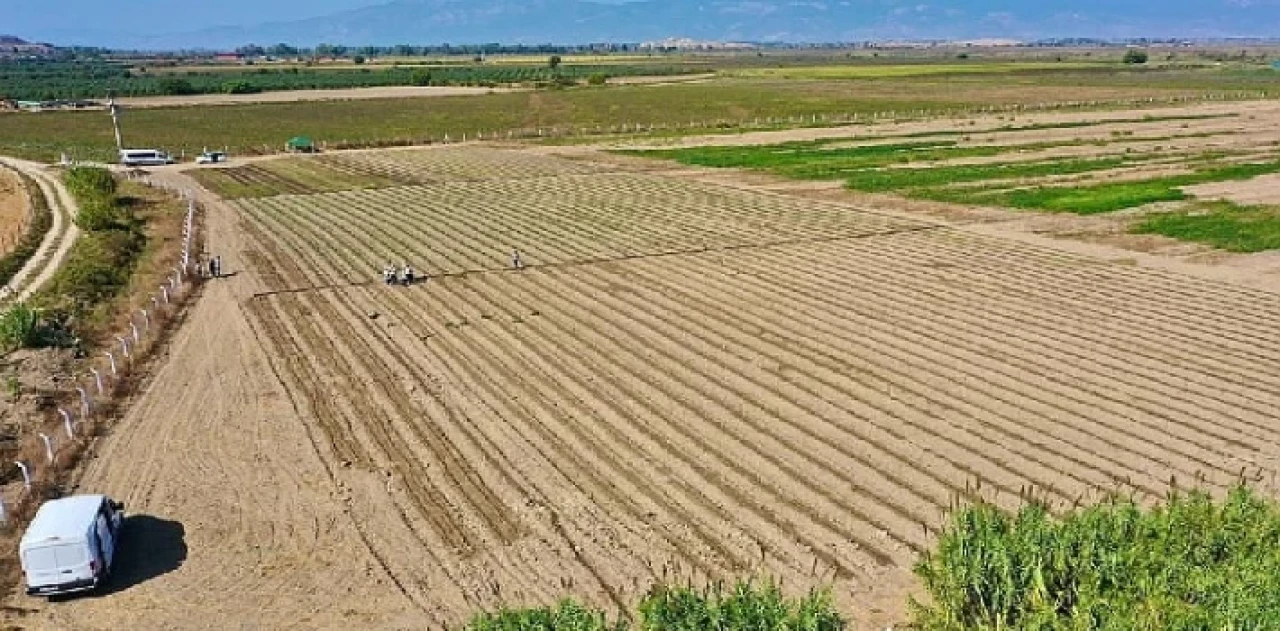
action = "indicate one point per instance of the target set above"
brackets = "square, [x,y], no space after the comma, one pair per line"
[1101,198]
[883,180]
[1222,224]
[893,71]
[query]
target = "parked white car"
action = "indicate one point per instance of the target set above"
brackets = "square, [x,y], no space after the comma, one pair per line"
[70,545]
[211,157]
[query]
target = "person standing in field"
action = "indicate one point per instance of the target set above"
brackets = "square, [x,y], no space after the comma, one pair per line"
[213,267]
[408,275]
[217,266]
[516,263]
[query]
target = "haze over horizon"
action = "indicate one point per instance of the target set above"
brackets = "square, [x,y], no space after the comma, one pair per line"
[152,24]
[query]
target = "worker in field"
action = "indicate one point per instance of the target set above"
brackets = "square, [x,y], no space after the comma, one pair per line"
[408,275]
[516,262]
[217,266]
[389,274]
[213,268]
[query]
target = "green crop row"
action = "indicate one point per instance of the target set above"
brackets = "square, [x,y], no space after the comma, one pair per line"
[1221,224]
[745,606]
[1106,197]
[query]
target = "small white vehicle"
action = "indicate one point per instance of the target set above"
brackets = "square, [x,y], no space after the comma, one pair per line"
[70,545]
[144,158]
[211,157]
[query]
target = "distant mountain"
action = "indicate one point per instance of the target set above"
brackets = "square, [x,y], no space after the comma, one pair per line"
[582,21]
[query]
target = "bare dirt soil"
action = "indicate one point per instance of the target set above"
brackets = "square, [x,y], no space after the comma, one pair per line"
[15,207]
[691,381]
[1263,190]
[291,96]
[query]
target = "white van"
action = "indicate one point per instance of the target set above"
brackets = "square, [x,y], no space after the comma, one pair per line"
[71,543]
[144,158]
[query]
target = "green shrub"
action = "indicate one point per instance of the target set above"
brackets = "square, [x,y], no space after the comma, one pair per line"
[90,183]
[1192,563]
[597,78]
[747,606]
[1135,56]
[19,328]
[567,616]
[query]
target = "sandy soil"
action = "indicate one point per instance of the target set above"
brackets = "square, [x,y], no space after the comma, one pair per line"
[14,209]
[1260,190]
[308,95]
[692,381]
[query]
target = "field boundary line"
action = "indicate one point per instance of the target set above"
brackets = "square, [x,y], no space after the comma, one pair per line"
[618,259]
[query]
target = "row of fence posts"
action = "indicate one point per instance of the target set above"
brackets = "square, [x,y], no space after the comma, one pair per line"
[105,377]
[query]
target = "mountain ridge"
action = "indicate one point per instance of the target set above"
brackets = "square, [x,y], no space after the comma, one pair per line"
[582,21]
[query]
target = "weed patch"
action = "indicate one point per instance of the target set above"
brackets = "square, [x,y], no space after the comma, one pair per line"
[1221,224]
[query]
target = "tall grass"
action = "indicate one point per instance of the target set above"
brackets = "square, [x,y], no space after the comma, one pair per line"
[1222,224]
[1191,563]
[19,328]
[746,606]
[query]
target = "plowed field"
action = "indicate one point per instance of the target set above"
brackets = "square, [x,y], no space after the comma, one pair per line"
[689,382]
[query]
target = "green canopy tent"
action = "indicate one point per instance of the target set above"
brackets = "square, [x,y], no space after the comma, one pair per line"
[301,143]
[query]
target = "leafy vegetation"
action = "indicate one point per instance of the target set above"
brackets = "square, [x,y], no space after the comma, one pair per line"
[49,80]
[1192,563]
[1221,224]
[746,606]
[1106,197]
[878,180]
[1135,56]
[101,262]
[19,328]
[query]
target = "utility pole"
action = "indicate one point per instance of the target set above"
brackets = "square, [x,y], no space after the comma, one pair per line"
[115,119]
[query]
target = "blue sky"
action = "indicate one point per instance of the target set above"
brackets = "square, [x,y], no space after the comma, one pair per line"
[48,20]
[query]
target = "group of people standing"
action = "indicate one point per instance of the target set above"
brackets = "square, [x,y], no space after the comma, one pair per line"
[403,275]
[391,275]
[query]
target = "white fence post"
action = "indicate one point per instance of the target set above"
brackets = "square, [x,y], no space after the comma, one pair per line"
[112,358]
[84,402]
[164,291]
[124,346]
[97,379]
[26,475]
[48,447]
[66,423]
[134,327]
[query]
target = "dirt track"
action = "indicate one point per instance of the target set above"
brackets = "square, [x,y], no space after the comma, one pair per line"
[692,382]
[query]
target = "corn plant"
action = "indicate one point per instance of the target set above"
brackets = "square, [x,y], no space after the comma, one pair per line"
[1192,563]
[19,328]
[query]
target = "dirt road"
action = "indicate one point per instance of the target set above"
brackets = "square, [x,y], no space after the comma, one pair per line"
[57,242]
